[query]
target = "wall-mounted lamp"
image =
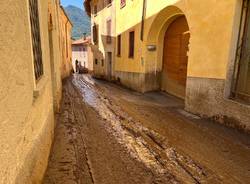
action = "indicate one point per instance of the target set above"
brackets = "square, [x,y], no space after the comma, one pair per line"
[151,47]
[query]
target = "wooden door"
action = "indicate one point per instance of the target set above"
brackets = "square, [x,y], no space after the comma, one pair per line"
[175,58]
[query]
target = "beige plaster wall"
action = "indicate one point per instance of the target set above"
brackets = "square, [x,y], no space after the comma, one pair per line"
[66,48]
[55,54]
[90,58]
[26,107]
[100,50]
[211,26]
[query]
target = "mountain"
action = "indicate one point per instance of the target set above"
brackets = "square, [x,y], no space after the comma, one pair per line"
[80,21]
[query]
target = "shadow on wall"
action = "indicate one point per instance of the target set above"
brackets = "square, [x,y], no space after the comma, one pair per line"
[103,57]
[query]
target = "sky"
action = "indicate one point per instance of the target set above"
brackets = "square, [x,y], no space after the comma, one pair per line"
[78,3]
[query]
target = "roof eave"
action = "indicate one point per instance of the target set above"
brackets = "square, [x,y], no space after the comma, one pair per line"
[87,7]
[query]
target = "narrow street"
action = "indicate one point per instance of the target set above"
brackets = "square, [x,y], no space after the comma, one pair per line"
[106,134]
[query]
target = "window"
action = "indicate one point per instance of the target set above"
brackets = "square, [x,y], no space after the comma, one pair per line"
[66,43]
[109,32]
[36,38]
[102,62]
[95,34]
[123,3]
[95,10]
[96,61]
[242,70]
[119,45]
[131,44]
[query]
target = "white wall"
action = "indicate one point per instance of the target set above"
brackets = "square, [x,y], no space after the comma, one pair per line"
[80,53]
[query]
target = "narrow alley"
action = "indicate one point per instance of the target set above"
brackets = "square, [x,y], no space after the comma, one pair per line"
[108,134]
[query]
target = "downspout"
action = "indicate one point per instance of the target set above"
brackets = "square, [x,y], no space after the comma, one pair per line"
[142,37]
[66,31]
[142,20]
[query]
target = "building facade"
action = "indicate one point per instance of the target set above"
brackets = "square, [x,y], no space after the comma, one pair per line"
[196,51]
[30,92]
[82,52]
[66,49]
[103,37]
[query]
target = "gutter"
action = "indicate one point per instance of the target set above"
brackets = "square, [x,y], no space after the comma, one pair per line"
[142,19]
[66,15]
[87,7]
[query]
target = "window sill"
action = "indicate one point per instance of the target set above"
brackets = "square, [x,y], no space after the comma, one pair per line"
[40,87]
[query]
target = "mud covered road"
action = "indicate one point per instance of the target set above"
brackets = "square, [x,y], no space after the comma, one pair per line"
[106,134]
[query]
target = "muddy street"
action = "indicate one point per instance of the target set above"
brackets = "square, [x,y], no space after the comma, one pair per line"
[107,134]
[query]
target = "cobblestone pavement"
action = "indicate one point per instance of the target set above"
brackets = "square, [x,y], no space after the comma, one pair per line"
[106,134]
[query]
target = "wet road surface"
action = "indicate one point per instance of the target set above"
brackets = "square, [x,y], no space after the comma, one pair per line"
[106,134]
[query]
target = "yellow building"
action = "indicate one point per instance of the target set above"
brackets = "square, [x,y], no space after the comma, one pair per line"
[197,51]
[66,49]
[103,38]
[30,92]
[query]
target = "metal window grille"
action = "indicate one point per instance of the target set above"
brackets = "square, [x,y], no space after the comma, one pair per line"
[36,39]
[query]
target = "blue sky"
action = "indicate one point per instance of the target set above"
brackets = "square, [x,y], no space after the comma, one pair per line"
[78,3]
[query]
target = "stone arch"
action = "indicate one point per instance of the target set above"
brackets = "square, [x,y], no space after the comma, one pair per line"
[156,34]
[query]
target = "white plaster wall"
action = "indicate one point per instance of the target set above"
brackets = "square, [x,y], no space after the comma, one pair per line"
[80,55]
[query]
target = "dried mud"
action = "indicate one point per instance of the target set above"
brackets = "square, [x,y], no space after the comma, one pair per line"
[107,134]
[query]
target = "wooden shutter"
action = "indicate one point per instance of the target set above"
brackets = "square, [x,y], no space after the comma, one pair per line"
[131,44]
[95,34]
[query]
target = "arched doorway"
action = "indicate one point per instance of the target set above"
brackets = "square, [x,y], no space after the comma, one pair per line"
[175,59]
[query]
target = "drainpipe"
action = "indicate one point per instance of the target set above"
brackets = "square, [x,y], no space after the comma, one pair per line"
[142,20]
[66,31]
